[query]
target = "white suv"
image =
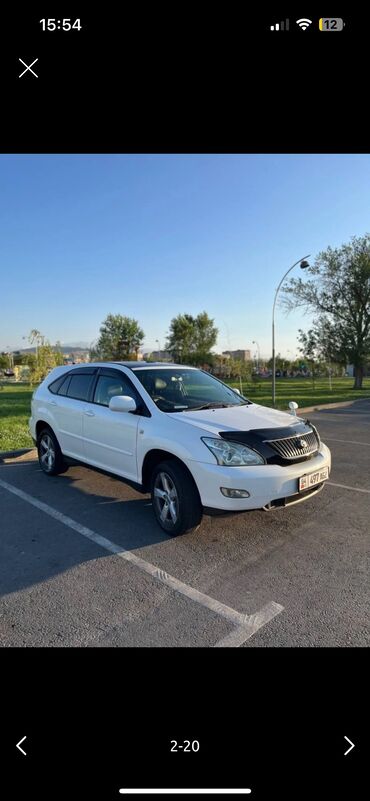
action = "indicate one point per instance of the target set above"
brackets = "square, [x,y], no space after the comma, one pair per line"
[177,431]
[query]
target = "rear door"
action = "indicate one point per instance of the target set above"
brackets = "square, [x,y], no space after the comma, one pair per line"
[68,406]
[110,437]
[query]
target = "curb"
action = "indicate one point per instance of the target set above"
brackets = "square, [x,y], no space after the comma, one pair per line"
[14,454]
[338,405]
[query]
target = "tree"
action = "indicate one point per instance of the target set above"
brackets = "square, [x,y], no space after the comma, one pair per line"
[120,339]
[280,363]
[191,338]
[339,294]
[181,337]
[205,337]
[319,347]
[93,353]
[240,369]
[47,358]
[37,337]
[30,360]
[19,359]
[312,349]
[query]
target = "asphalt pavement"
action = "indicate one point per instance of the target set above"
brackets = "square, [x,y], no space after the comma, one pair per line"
[83,562]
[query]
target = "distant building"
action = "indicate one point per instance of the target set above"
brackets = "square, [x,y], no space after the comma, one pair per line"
[240,355]
[157,356]
[78,357]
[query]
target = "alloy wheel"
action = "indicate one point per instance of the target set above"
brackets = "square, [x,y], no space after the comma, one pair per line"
[47,452]
[166,499]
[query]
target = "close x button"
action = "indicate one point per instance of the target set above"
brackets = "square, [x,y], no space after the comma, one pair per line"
[28,68]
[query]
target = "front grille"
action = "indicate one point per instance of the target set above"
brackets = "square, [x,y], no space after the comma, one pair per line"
[291,447]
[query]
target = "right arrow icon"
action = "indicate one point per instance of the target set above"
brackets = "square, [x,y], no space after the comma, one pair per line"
[351,745]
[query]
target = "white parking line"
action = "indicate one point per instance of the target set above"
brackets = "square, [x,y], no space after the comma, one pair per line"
[249,623]
[255,622]
[344,486]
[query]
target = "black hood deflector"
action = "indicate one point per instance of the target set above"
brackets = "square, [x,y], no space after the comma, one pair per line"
[258,438]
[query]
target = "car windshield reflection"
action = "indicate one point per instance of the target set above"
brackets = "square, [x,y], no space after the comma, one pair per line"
[182,390]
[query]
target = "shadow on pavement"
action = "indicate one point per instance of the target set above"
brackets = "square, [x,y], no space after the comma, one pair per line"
[35,547]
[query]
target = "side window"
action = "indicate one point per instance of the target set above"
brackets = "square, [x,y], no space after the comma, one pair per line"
[55,385]
[79,386]
[107,386]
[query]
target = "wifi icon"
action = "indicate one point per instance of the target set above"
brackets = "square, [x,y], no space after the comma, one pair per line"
[304,23]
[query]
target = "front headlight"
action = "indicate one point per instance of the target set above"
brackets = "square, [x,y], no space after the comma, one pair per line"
[317,435]
[232,454]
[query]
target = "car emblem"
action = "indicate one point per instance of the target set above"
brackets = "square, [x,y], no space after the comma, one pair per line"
[301,443]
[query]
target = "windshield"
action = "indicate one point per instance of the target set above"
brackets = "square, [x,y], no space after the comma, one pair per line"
[179,389]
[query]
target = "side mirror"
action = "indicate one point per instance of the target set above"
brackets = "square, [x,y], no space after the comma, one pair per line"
[293,406]
[122,403]
[237,390]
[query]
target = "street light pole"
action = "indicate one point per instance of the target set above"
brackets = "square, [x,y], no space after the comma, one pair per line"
[254,342]
[159,349]
[303,265]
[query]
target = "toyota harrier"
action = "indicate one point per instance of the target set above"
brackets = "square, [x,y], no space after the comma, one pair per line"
[180,433]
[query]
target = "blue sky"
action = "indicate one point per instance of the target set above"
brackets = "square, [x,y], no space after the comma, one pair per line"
[150,236]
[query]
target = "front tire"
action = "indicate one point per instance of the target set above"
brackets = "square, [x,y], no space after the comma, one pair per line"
[175,498]
[49,453]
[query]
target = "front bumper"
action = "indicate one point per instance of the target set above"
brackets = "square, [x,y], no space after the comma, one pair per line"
[265,483]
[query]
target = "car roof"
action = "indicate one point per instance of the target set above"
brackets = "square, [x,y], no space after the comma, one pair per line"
[131,365]
[143,365]
[163,365]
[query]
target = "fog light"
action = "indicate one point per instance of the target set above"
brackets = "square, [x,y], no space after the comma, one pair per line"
[234,493]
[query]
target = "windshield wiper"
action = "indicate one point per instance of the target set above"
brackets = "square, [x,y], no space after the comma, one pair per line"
[209,405]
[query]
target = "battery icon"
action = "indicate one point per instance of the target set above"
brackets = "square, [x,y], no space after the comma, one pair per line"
[331,24]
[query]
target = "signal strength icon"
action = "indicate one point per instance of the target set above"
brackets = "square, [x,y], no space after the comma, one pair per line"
[280,26]
[304,23]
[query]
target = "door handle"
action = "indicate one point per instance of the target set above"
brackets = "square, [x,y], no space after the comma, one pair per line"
[88,413]
[53,403]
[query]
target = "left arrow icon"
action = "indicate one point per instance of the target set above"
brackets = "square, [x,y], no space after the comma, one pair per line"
[19,745]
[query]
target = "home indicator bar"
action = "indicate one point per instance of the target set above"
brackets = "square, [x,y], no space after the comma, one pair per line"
[184,791]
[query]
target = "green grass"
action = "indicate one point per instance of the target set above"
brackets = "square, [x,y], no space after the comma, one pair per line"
[302,391]
[15,401]
[15,409]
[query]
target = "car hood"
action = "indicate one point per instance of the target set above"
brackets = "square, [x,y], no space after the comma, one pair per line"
[236,418]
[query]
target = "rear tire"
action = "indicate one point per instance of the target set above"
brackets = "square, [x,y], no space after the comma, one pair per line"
[176,502]
[49,453]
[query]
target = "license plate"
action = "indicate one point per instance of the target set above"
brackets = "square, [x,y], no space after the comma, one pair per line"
[305,482]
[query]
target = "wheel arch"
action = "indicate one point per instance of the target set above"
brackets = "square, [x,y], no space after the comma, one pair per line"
[154,457]
[41,425]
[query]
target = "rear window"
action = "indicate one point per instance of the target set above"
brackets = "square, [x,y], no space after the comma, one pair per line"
[64,387]
[79,386]
[55,385]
